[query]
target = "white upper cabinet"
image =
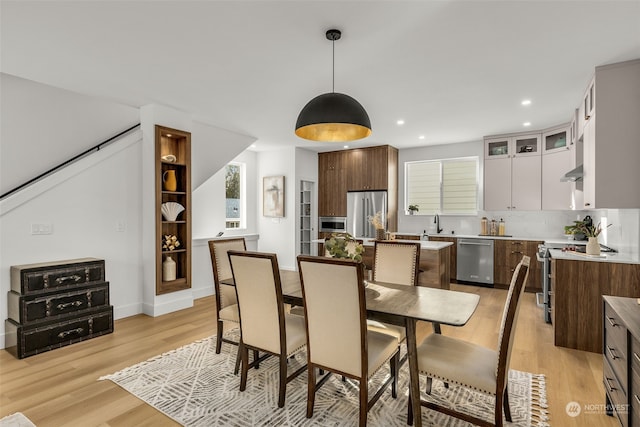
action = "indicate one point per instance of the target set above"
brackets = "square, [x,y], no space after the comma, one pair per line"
[512,172]
[558,158]
[611,138]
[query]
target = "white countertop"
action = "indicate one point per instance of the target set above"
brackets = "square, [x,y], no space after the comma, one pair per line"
[604,257]
[555,240]
[424,244]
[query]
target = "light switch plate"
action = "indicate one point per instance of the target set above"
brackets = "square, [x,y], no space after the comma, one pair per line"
[41,228]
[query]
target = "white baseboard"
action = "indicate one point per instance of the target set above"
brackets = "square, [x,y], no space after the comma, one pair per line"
[127,311]
[156,310]
[203,292]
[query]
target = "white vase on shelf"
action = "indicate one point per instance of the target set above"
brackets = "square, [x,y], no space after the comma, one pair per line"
[168,269]
[593,247]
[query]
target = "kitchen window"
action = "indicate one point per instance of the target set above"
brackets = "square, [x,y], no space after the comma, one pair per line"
[446,186]
[234,181]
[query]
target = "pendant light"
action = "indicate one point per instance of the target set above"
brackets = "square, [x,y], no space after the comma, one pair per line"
[333,117]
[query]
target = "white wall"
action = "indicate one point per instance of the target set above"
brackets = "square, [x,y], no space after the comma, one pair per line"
[277,235]
[86,202]
[84,206]
[43,126]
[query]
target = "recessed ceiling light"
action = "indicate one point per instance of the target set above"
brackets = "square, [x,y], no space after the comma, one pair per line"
[169,135]
[400,122]
[526,124]
[421,137]
[346,146]
[252,146]
[526,102]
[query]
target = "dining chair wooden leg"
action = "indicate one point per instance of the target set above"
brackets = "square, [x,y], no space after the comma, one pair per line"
[498,410]
[256,357]
[436,328]
[311,389]
[244,356]
[219,337]
[395,369]
[409,411]
[507,409]
[364,402]
[238,359]
[427,388]
[283,380]
[414,377]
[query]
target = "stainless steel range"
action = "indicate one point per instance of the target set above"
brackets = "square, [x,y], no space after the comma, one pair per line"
[544,257]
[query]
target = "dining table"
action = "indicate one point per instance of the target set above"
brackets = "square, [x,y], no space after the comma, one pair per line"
[404,306]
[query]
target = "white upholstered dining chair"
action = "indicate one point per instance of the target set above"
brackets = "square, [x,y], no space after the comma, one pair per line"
[226,303]
[337,337]
[264,323]
[398,263]
[473,366]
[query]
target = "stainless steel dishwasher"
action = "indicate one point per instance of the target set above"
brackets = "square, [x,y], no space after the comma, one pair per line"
[475,260]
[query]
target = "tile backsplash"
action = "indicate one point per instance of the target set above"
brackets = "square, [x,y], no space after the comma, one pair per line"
[623,234]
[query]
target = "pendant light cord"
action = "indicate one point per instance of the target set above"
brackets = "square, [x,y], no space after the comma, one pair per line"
[333,75]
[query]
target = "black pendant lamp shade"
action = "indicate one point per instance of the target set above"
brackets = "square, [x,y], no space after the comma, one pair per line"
[333,117]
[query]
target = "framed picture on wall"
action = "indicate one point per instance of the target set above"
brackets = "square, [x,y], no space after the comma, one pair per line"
[273,196]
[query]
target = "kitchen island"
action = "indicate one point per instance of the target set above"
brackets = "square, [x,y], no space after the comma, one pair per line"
[578,283]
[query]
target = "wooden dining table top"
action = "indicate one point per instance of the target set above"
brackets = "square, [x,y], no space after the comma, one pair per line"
[399,301]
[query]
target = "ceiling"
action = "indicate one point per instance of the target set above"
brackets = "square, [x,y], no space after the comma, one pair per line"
[454,71]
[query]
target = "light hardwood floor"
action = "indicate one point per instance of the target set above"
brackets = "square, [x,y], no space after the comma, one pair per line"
[61,387]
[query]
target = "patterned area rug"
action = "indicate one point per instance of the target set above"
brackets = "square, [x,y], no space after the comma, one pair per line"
[196,387]
[16,420]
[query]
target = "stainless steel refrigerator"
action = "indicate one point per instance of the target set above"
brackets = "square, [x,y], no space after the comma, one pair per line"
[360,206]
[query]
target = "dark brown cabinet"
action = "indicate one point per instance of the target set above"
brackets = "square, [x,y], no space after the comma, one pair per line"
[360,169]
[332,184]
[506,256]
[173,158]
[621,359]
[370,168]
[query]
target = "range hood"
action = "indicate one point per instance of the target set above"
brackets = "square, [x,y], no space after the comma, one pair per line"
[573,175]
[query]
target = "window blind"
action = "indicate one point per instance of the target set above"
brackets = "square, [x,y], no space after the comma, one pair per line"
[443,186]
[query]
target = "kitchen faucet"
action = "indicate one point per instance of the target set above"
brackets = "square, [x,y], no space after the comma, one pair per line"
[436,221]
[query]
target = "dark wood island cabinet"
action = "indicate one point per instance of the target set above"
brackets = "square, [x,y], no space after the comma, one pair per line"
[621,358]
[576,300]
